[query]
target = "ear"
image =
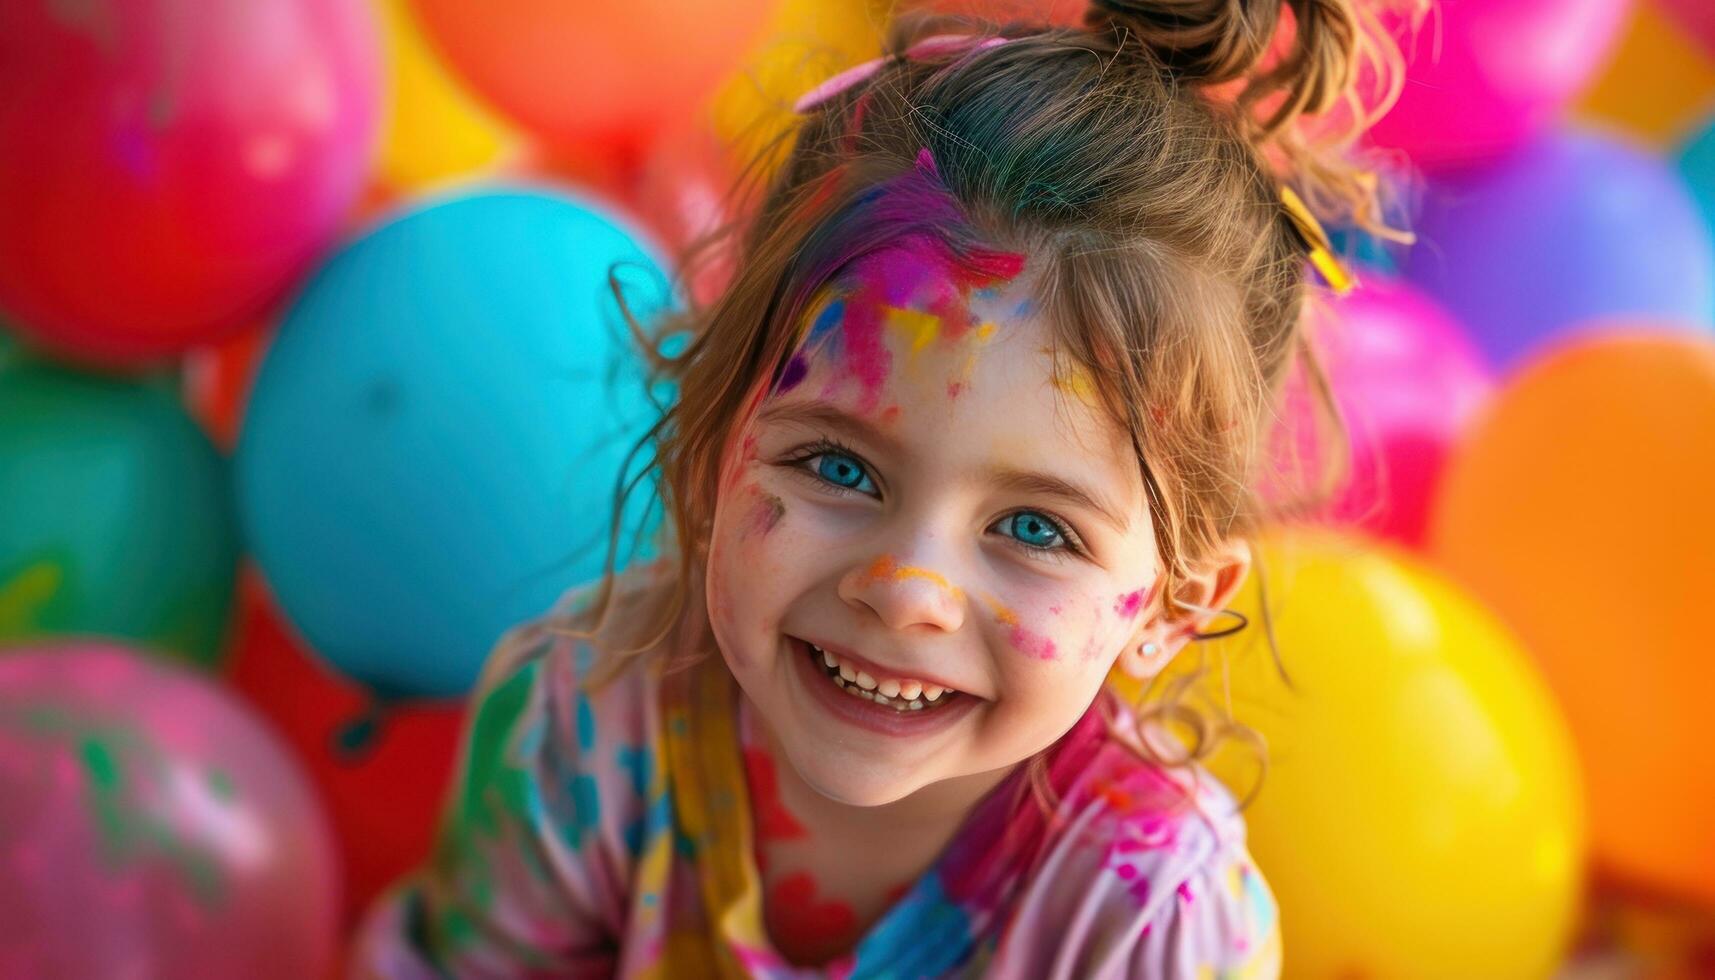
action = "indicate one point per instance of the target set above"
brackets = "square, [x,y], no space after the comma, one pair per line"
[1214,584]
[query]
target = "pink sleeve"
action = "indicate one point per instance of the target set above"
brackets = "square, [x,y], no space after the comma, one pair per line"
[1221,922]
[520,884]
[1135,892]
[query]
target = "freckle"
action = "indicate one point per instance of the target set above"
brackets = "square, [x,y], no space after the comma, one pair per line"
[954,387]
[890,415]
[1054,609]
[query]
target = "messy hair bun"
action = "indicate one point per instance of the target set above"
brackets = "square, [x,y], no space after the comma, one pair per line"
[1340,65]
[1216,41]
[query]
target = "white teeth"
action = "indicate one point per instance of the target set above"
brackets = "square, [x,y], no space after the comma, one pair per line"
[906,695]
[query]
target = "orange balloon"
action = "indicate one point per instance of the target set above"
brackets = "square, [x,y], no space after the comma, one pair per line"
[1659,84]
[576,71]
[1580,511]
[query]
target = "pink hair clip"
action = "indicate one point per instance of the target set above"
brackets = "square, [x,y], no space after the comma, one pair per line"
[938,45]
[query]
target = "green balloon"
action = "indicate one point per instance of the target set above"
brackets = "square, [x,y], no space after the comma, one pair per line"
[116,515]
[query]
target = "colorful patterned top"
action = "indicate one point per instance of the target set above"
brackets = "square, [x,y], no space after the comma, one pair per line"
[610,834]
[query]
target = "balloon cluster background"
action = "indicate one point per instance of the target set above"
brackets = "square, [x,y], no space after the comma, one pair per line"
[312,382]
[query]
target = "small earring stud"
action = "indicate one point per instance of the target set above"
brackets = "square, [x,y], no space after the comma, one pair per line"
[1149,649]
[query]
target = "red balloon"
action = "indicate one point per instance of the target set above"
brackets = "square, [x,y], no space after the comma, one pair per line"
[576,71]
[217,380]
[1697,17]
[168,171]
[384,797]
[678,189]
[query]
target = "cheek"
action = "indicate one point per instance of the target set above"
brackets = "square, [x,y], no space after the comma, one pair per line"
[745,553]
[1030,629]
[1079,628]
[763,512]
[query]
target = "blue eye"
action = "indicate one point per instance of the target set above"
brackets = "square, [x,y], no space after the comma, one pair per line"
[844,471]
[1032,529]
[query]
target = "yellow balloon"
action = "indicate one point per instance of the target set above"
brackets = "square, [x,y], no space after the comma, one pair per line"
[434,130]
[808,42]
[1421,814]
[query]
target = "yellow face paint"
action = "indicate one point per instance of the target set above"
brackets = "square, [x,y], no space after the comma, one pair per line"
[919,329]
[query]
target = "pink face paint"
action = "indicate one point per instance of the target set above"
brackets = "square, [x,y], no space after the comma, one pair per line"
[1023,640]
[1130,604]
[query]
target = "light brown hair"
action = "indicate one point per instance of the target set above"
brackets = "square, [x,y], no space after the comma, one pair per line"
[1138,162]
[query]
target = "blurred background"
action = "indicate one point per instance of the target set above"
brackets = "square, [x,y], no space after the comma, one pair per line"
[312,382]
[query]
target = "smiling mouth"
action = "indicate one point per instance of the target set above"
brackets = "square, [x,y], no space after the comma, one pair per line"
[856,689]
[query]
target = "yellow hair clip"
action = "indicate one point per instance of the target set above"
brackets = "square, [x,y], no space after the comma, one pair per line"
[1322,257]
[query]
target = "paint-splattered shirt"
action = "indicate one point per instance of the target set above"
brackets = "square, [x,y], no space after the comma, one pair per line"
[609,833]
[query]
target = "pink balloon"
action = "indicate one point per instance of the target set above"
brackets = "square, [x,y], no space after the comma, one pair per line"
[168,170]
[1505,69]
[150,826]
[1406,380]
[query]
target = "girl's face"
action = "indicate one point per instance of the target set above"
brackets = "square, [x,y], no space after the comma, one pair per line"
[920,501]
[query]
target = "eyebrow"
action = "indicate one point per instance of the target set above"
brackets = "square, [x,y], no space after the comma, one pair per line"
[1030,482]
[822,413]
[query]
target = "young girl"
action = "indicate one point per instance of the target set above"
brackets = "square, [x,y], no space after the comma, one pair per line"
[971,429]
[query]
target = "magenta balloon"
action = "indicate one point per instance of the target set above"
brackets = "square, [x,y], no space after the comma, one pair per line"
[169,169]
[1406,379]
[151,827]
[1486,75]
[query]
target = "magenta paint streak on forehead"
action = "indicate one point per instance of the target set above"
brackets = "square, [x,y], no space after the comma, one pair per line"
[894,248]
[919,272]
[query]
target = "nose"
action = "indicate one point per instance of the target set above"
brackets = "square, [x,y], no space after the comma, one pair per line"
[904,595]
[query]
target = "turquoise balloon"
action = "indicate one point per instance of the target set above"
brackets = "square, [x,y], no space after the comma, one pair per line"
[431,448]
[116,515]
[1697,164]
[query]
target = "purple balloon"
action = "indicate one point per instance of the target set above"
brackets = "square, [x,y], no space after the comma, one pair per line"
[151,827]
[1574,228]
